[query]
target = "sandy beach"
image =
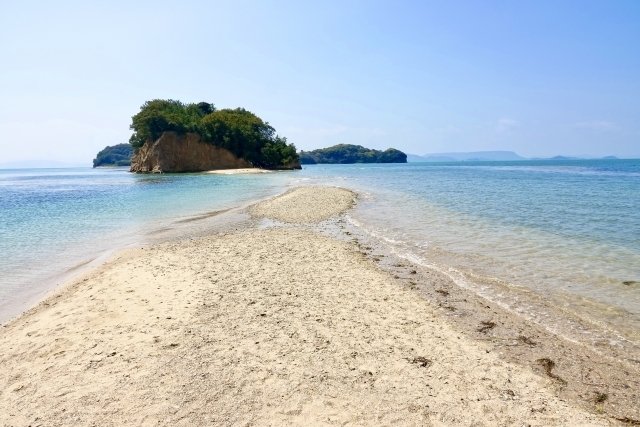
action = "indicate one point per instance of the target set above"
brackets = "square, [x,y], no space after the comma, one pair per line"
[237,171]
[272,324]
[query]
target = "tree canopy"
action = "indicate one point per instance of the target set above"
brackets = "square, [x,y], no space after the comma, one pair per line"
[238,130]
[114,155]
[347,153]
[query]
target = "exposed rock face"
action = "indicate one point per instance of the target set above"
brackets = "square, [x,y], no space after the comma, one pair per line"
[183,153]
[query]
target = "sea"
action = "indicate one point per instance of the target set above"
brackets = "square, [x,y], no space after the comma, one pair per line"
[555,241]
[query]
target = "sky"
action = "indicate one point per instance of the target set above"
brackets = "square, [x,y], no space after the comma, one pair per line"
[541,78]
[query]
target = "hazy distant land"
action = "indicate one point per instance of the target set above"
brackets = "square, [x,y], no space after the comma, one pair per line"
[489,156]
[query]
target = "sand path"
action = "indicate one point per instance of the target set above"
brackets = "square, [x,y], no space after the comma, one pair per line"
[277,326]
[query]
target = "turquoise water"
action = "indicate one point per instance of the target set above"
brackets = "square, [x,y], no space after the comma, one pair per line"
[525,234]
[53,219]
[567,230]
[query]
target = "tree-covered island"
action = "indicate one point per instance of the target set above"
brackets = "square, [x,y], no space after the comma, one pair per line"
[347,153]
[114,155]
[171,136]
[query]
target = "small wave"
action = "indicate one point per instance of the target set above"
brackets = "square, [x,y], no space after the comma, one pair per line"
[353,221]
[544,310]
[373,233]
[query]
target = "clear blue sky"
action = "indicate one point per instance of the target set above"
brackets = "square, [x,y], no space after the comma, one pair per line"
[537,77]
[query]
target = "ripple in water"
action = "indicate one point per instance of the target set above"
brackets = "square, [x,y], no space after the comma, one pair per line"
[555,241]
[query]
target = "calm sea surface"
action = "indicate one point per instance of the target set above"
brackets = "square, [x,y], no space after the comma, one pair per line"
[567,230]
[53,219]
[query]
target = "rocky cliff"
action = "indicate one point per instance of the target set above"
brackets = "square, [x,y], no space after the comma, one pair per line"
[183,153]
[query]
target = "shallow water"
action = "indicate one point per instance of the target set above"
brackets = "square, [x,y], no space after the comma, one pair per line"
[569,231]
[525,234]
[54,219]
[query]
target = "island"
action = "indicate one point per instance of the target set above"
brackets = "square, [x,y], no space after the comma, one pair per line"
[473,156]
[347,153]
[114,155]
[171,136]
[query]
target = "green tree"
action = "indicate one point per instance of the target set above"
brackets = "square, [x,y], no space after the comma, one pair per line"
[115,155]
[278,153]
[205,108]
[347,153]
[238,130]
[160,115]
[156,117]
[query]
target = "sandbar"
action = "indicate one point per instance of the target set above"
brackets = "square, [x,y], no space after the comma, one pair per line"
[264,325]
[238,171]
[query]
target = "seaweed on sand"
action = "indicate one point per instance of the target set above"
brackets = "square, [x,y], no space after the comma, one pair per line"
[486,325]
[526,340]
[421,361]
[548,365]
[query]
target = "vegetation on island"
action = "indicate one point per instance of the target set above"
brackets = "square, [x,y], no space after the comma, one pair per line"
[238,130]
[347,153]
[114,155]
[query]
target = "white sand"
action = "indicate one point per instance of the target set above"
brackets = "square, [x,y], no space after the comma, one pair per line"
[306,204]
[238,171]
[258,327]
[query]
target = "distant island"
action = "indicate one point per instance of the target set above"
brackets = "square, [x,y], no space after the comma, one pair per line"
[171,136]
[473,156]
[560,158]
[114,155]
[490,156]
[347,153]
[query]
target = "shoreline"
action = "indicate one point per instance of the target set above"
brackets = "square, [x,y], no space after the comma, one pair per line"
[238,171]
[197,223]
[294,228]
[604,380]
[26,300]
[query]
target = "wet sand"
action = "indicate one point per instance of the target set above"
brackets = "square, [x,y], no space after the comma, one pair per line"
[273,324]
